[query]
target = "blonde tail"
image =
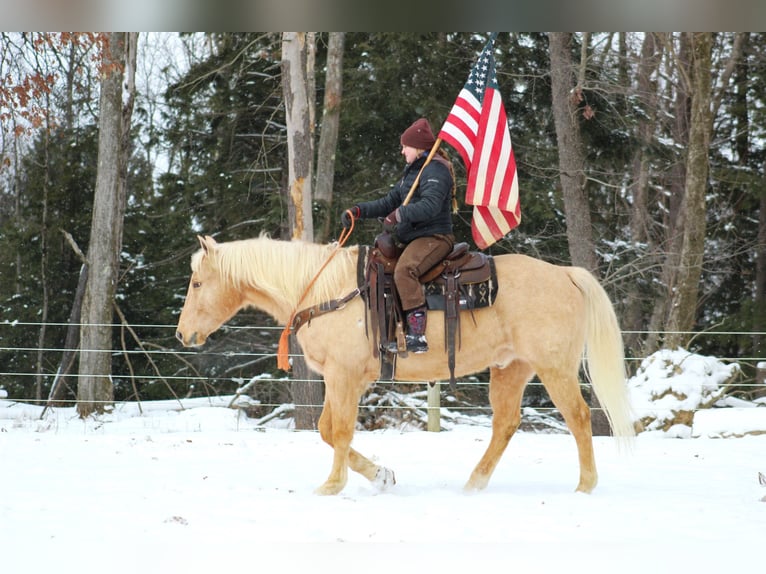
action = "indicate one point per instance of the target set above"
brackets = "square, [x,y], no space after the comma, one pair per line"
[605,356]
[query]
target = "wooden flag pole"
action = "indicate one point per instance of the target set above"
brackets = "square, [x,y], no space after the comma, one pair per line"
[415,183]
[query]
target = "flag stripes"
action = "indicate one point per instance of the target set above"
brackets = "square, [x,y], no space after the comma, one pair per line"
[477,127]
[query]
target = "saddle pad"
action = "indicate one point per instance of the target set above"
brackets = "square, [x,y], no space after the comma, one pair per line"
[472,295]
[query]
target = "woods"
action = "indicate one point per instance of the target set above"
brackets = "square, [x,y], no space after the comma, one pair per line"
[639,156]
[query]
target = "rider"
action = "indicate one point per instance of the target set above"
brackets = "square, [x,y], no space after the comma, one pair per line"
[423,225]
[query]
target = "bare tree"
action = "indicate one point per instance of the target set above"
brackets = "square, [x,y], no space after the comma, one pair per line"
[759,323]
[647,97]
[298,104]
[684,297]
[94,390]
[567,96]
[297,77]
[328,136]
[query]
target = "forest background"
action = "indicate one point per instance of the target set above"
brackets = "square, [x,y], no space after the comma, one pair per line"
[640,156]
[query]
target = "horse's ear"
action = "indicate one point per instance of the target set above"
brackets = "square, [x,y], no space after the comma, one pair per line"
[207,243]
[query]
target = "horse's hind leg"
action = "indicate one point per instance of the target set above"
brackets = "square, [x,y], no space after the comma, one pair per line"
[506,387]
[565,393]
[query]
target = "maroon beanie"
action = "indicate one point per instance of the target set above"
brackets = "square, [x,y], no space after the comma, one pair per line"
[419,135]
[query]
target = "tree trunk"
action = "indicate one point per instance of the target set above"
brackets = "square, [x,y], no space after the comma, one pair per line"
[646,94]
[759,317]
[328,137]
[566,97]
[60,385]
[94,389]
[685,295]
[43,270]
[297,61]
[299,132]
[673,222]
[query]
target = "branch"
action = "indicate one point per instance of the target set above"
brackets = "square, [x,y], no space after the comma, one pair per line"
[583,60]
[75,247]
[148,355]
[731,64]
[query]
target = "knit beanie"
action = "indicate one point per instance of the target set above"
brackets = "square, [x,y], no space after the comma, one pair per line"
[419,135]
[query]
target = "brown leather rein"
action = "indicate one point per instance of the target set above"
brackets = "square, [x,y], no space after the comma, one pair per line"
[283,349]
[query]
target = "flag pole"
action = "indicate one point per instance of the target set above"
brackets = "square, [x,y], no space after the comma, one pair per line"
[415,183]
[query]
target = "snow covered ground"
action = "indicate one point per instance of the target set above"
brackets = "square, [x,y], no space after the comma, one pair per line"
[208,490]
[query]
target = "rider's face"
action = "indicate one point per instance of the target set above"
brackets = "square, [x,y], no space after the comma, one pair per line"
[410,153]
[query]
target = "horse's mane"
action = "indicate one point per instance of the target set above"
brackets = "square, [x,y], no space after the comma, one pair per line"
[283,269]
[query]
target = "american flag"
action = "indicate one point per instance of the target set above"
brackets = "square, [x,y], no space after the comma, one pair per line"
[477,127]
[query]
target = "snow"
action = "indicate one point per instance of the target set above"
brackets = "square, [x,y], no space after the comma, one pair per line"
[729,422]
[193,486]
[671,384]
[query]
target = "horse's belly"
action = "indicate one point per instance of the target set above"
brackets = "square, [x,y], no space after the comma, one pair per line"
[434,365]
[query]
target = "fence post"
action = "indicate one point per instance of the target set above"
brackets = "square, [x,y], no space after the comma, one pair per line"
[434,408]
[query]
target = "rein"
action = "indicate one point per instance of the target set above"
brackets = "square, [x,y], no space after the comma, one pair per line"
[283,348]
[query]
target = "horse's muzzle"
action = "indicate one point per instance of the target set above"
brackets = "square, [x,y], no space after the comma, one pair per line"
[192,342]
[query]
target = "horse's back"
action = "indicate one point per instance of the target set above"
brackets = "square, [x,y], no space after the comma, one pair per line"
[533,286]
[541,309]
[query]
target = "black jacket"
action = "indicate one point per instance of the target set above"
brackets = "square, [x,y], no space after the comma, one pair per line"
[428,212]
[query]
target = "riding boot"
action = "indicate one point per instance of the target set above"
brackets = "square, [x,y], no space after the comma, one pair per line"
[416,330]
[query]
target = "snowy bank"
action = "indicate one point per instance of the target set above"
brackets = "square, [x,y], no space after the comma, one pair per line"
[682,394]
[729,422]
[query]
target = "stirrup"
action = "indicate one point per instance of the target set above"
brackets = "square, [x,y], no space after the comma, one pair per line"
[416,343]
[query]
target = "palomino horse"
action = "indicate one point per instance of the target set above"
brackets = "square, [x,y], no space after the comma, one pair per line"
[543,318]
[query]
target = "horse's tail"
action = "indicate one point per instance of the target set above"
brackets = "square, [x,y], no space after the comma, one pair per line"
[605,355]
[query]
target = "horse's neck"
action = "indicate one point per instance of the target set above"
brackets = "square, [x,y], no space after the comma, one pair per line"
[302,283]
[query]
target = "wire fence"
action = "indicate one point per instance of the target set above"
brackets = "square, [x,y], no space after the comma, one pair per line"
[168,364]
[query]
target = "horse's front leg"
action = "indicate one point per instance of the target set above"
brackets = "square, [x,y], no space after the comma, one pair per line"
[336,427]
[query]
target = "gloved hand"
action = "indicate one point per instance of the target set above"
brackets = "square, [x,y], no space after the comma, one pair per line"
[350,215]
[389,223]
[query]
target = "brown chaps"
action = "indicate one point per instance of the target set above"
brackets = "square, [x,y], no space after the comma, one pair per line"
[418,257]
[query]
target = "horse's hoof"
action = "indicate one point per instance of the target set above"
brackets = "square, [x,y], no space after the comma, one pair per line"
[384,478]
[476,482]
[329,489]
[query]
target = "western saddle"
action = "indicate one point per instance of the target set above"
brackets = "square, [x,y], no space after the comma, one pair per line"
[464,280]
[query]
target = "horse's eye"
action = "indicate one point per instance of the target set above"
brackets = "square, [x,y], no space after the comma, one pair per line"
[197,284]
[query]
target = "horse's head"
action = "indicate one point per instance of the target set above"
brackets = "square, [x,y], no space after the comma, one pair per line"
[210,299]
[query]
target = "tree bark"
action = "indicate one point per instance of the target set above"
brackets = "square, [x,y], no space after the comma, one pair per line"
[43,270]
[566,96]
[673,222]
[95,392]
[297,62]
[759,317]
[328,136]
[646,94]
[299,132]
[685,295]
